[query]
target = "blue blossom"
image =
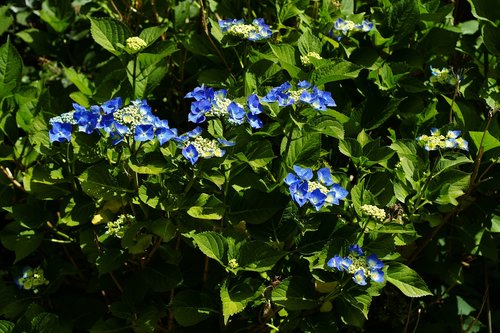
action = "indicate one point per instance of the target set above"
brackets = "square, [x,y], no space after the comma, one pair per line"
[144,133]
[345,26]
[195,146]
[236,113]
[86,120]
[311,95]
[190,153]
[164,134]
[319,193]
[437,141]
[359,265]
[60,132]
[257,30]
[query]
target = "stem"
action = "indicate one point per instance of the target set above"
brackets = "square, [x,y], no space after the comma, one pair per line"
[455,94]
[134,75]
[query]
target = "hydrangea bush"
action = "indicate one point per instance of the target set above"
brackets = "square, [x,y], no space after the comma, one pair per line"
[249,166]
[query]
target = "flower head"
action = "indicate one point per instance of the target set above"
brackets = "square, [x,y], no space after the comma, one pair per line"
[437,141]
[135,44]
[31,278]
[307,94]
[257,30]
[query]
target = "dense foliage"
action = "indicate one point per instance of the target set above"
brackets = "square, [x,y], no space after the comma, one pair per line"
[249,166]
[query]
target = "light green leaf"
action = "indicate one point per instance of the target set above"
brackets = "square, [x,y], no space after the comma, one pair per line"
[303,147]
[212,244]
[6,19]
[80,81]
[489,141]
[57,13]
[207,207]
[407,280]
[151,34]
[335,70]
[151,164]
[109,33]
[495,224]
[11,67]
[164,228]
[286,57]
[309,43]
[6,326]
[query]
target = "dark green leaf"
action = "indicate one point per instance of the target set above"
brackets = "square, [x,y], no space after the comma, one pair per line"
[407,280]
[11,67]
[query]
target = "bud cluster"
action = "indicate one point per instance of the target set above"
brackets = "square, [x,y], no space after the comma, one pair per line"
[194,146]
[374,212]
[117,227]
[31,278]
[306,59]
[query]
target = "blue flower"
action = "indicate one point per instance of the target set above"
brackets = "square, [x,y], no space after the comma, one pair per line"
[112,105]
[377,275]
[254,104]
[86,120]
[299,193]
[335,262]
[60,132]
[356,249]
[373,262]
[164,134]
[335,194]
[144,133]
[365,26]
[359,277]
[325,176]
[256,31]
[191,154]
[316,198]
[226,143]
[236,113]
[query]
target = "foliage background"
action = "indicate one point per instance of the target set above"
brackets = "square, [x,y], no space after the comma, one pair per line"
[171,271]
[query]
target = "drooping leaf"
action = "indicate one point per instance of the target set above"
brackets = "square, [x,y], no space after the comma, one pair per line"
[212,244]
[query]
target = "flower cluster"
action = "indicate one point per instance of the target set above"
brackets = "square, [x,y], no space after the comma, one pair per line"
[215,104]
[135,44]
[346,25]
[359,265]
[258,30]
[318,99]
[117,227]
[194,146]
[306,59]
[373,211]
[111,118]
[444,76]
[31,278]
[320,192]
[436,140]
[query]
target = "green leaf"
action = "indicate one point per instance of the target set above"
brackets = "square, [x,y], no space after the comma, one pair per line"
[255,207]
[447,162]
[491,36]
[6,19]
[495,224]
[450,186]
[378,110]
[327,126]
[6,326]
[257,154]
[169,277]
[303,147]
[309,43]
[295,293]
[335,70]
[57,13]
[402,17]
[212,244]
[191,307]
[109,33]
[20,240]
[258,256]
[97,182]
[489,141]
[487,10]
[164,228]
[151,164]
[235,299]
[407,280]
[207,207]
[151,34]
[80,81]
[11,67]
[287,58]
[110,260]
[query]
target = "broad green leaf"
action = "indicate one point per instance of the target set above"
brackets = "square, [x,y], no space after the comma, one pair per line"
[257,154]
[191,307]
[335,70]
[495,224]
[169,277]
[6,326]
[489,141]
[402,18]
[407,280]
[57,13]
[487,10]
[46,322]
[450,186]
[6,19]
[164,228]
[287,58]
[151,34]
[151,164]
[447,162]
[302,148]
[327,126]
[207,207]
[377,110]
[110,260]
[109,33]
[309,43]
[86,148]
[11,67]
[258,256]
[212,244]
[491,35]
[97,182]
[238,296]
[80,81]
[255,207]
[45,183]
[295,293]
[23,242]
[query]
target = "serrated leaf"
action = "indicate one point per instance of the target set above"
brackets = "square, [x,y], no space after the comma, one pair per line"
[109,33]
[6,19]
[286,57]
[151,164]
[309,43]
[335,70]
[407,280]
[212,244]
[303,147]
[6,326]
[11,67]
[235,299]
